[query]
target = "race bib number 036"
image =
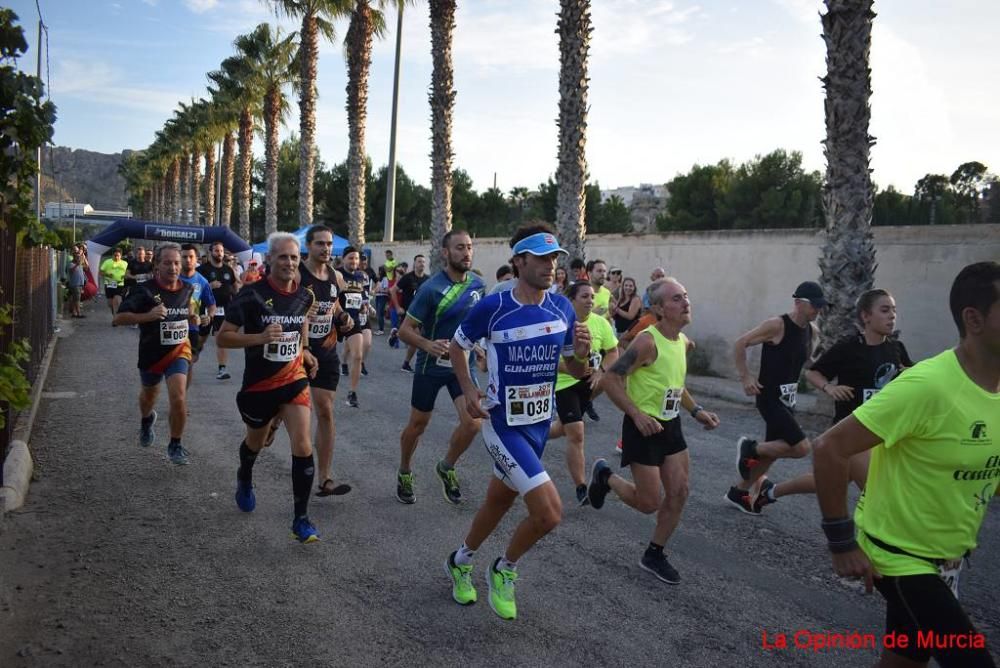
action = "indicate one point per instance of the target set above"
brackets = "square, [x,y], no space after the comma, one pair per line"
[173,332]
[528,404]
[283,350]
[320,326]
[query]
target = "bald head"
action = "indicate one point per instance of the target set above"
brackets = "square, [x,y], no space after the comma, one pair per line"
[657,274]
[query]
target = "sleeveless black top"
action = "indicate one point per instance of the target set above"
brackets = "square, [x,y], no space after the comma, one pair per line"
[781,363]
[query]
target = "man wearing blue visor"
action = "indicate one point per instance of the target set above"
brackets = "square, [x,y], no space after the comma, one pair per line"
[529,334]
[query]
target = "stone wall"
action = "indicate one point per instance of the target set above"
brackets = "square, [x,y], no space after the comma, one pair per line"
[737,278]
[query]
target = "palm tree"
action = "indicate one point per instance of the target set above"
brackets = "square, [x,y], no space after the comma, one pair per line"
[848,262]
[574,28]
[270,57]
[317,19]
[236,92]
[442,99]
[366,22]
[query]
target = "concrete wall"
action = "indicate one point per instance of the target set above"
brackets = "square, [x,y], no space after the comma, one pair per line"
[737,278]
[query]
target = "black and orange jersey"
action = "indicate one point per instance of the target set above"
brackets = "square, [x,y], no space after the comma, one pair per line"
[278,363]
[322,327]
[161,341]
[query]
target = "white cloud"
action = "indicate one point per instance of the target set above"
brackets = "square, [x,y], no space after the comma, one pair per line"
[805,11]
[95,81]
[201,6]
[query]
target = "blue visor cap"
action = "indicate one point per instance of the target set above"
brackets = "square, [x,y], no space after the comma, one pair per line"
[542,243]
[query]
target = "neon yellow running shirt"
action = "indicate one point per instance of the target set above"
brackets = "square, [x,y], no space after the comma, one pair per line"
[602,339]
[602,301]
[114,272]
[938,467]
[656,389]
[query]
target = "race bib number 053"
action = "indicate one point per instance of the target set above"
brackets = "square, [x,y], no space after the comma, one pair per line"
[528,404]
[283,350]
[173,332]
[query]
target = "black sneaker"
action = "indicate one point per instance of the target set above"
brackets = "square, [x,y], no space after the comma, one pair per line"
[763,499]
[406,367]
[740,498]
[745,457]
[599,488]
[591,413]
[343,370]
[581,496]
[657,564]
[364,370]
[393,339]
[352,399]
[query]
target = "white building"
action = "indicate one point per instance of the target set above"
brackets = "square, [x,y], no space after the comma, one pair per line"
[627,193]
[67,209]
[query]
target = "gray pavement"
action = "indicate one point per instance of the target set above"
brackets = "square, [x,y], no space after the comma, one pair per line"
[120,558]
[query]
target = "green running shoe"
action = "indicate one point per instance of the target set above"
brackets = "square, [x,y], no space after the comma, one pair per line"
[404,488]
[502,591]
[462,589]
[449,482]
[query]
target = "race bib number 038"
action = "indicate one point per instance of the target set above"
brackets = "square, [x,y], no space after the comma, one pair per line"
[320,326]
[788,392]
[173,332]
[285,349]
[528,404]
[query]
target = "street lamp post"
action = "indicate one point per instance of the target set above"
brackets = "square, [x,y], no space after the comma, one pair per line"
[390,195]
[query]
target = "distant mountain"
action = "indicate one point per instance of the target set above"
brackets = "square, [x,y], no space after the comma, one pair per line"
[83,176]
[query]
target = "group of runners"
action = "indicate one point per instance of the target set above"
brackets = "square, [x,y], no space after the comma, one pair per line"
[917,441]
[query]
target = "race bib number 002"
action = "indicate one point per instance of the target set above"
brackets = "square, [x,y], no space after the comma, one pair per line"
[173,332]
[671,407]
[788,392]
[352,300]
[528,404]
[320,326]
[285,349]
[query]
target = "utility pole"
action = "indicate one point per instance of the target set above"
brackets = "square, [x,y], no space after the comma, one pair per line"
[390,194]
[38,152]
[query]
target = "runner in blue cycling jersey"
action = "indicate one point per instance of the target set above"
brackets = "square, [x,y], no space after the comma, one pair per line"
[527,330]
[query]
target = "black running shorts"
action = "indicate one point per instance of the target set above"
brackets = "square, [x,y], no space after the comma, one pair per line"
[570,402]
[779,420]
[924,603]
[651,450]
[110,293]
[426,387]
[258,408]
[328,374]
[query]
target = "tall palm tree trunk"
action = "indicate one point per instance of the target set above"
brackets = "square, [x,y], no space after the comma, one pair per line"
[309,56]
[164,208]
[210,185]
[359,58]
[228,168]
[442,99]
[847,263]
[185,185]
[175,191]
[272,112]
[195,186]
[574,28]
[246,164]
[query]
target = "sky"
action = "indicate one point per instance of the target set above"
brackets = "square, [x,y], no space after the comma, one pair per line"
[672,83]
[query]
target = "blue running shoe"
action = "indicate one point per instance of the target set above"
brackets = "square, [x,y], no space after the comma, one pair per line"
[147,435]
[178,455]
[304,531]
[245,498]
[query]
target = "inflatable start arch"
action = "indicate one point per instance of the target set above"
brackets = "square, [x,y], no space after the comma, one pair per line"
[182,234]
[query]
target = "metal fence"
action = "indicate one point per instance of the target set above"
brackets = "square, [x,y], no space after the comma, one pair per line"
[27,281]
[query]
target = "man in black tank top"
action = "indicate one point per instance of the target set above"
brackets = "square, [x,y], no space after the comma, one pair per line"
[788,342]
[353,285]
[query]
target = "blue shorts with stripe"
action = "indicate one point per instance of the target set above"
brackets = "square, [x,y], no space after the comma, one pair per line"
[516,451]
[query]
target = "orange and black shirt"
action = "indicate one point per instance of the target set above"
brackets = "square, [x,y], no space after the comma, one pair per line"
[258,305]
[322,324]
[161,341]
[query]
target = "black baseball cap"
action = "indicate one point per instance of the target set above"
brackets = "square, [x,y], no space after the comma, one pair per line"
[811,292]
